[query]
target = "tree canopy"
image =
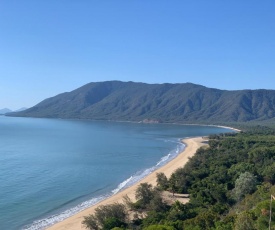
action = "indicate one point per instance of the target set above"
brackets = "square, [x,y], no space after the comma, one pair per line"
[229,183]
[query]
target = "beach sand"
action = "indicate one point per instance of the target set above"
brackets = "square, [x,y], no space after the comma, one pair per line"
[74,222]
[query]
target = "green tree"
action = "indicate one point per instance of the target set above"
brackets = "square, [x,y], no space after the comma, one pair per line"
[172,183]
[153,218]
[179,211]
[144,194]
[156,203]
[245,184]
[162,181]
[204,221]
[226,224]
[261,213]
[244,221]
[112,222]
[158,227]
[106,215]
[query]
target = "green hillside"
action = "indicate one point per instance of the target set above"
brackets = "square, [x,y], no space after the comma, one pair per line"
[130,101]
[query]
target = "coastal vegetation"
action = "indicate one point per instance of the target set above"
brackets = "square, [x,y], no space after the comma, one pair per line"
[230,184]
[155,103]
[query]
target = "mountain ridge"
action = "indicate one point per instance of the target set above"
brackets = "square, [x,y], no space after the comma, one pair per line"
[7,110]
[167,102]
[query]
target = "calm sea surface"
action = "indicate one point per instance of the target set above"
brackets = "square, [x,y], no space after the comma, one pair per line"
[52,168]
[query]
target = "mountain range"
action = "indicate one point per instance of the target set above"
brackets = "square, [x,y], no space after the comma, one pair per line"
[131,101]
[6,110]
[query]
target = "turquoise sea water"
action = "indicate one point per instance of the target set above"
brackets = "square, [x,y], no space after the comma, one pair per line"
[52,168]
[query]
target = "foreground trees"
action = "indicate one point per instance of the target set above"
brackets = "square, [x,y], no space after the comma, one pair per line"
[116,216]
[107,217]
[229,183]
[144,194]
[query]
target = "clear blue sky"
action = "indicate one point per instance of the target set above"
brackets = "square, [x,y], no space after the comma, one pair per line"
[52,46]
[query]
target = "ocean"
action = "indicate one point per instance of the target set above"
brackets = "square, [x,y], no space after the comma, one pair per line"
[51,169]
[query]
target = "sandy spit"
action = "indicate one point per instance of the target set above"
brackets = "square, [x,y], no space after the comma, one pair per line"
[74,222]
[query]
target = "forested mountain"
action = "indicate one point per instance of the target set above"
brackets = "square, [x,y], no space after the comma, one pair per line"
[130,101]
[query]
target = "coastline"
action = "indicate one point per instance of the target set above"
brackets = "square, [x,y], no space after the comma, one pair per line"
[138,122]
[218,126]
[227,127]
[75,222]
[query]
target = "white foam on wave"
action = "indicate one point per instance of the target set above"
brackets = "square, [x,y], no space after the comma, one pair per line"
[46,222]
[141,174]
[122,185]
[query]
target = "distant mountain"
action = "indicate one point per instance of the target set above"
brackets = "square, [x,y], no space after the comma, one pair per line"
[5,110]
[130,101]
[21,109]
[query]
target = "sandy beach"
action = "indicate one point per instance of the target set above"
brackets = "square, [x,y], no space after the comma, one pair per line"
[74,222]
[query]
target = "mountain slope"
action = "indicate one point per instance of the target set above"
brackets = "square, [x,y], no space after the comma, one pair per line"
[129,101]
[21,109]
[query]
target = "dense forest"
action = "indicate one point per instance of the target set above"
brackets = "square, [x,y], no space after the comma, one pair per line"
[230,184]
[180,103]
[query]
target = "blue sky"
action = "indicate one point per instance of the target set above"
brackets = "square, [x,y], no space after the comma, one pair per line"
[54,46]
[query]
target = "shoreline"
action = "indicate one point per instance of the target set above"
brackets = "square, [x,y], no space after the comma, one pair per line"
[227,127]
[136,122]
[191,145]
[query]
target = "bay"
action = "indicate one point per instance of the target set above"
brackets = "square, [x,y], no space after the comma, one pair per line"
[53,168]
